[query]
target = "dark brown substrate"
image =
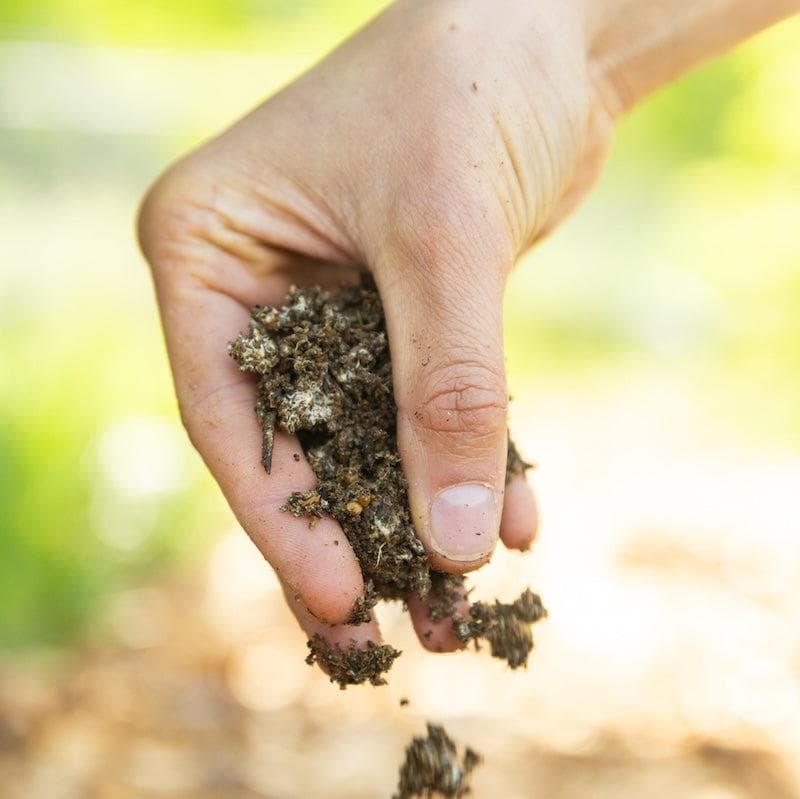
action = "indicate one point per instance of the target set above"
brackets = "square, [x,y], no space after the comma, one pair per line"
[324,375]
[432,766]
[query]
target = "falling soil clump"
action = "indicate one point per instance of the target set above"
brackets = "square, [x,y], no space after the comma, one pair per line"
[432,766]
[324,375]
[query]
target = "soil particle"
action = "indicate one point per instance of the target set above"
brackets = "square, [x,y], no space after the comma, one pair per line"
[324,375]
[446,591]
[432,767]
[309,503]
[515,464]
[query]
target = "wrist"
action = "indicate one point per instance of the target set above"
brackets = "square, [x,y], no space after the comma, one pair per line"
[634,47]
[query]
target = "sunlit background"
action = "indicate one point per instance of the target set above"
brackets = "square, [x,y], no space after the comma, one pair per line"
[653,351]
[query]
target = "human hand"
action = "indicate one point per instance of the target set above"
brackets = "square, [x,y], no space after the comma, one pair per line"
[431,149]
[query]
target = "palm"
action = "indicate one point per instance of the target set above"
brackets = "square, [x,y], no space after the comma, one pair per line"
[433,181]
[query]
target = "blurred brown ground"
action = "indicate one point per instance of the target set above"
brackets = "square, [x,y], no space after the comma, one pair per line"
[670,553]
[195,717]
[668,667]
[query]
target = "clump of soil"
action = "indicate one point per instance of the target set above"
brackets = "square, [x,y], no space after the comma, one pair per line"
[352,665]
[507,627]
[325,376]
[432,766]
[515,464]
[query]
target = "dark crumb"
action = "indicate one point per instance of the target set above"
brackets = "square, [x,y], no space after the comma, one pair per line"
[296,456]
[353,665]
[308,503]
[362,610]
[432,767]
[506,627]
[403,701]
[446,591]
[515,464]
[474,86]
[324,375]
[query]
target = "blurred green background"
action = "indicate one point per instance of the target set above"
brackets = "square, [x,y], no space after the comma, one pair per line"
[684,261]
[653,351]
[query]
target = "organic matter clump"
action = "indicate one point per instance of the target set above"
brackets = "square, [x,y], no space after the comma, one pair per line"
[507,627]
[432,766]
[324,374]
[352,665]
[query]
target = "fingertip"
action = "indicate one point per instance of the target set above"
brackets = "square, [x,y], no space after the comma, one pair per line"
[519,523]
[331,582]
[463,523]
[435,636]
[311,554]
[443,564]
[342,634]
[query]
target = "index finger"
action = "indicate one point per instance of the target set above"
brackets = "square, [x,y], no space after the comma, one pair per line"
[204,296]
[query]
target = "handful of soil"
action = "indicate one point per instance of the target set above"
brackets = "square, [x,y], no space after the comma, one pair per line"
[325,376]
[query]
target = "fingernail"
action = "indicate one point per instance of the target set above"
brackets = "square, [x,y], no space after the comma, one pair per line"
[464,521]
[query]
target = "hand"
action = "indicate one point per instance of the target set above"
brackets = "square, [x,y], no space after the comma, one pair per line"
[431,149]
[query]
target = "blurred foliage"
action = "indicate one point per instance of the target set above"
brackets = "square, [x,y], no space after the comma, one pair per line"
[187,23]
[686,256]
[70,529]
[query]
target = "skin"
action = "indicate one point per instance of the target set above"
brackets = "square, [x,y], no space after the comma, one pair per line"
[432,149]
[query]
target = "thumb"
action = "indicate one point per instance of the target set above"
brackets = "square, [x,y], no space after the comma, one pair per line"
[444,322]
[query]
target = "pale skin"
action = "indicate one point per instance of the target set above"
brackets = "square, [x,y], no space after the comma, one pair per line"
[431,149]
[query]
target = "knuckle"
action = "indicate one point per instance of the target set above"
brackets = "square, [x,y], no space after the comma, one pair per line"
[196,423]
[168,212]
[444,231]
[465,397]
[203,415]
[429,227]
[192,423]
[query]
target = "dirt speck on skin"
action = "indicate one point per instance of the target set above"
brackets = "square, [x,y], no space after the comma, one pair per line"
[324,375]
[432,767]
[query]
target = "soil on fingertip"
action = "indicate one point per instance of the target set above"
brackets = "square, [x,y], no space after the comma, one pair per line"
[324,374]
[352,665]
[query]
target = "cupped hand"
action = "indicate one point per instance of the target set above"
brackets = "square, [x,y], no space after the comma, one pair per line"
[431,149]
